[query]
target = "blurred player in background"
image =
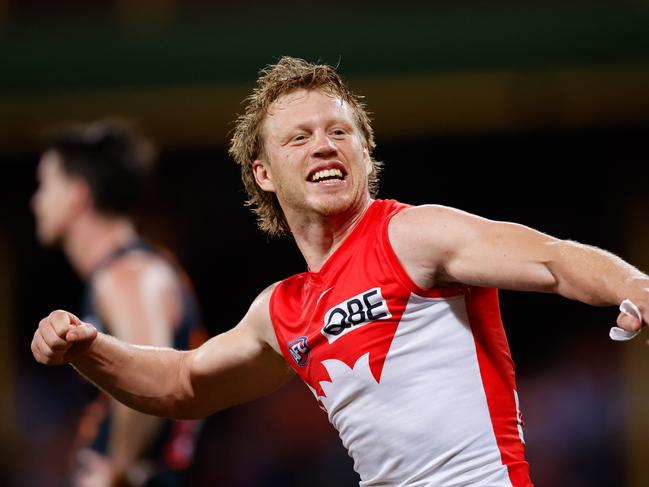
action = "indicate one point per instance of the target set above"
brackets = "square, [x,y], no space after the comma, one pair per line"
[90,181]
[395,326]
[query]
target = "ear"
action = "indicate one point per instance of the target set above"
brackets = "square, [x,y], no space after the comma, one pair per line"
[80,194]
[369,167]
[263,175]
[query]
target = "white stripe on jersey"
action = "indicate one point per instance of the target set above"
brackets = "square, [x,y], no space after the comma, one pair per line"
[427,422]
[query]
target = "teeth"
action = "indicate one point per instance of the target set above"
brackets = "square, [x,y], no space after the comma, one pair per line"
[327,173]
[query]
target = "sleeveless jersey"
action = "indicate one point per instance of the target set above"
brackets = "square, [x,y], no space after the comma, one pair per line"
[174,446]
[418,382]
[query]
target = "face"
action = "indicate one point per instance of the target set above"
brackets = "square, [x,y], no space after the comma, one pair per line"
[316,159]
[55,201]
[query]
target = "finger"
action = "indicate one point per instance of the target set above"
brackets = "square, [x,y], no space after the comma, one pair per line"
[47,356]
[74,319]
[81,333]
[629,307]
[36,352]
[628,322]
[61,321]
[40,346]
[54,341]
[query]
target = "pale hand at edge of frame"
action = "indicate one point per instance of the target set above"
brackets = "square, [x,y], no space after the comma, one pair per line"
[620,335]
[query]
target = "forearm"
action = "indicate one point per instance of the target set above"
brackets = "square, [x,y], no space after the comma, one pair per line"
[131,434]
[147,379]
[592,275]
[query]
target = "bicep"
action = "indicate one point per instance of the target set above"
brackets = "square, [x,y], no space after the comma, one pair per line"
[440,245]
[237,366]
[503,255]
[233,368]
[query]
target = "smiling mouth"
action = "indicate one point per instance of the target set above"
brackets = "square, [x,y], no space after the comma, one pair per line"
[323,175]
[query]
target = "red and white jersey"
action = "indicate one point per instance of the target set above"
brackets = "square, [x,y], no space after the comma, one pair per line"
[418,382]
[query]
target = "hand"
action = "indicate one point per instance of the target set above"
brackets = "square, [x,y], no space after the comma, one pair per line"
[93,470]
[61,337]
[634,314]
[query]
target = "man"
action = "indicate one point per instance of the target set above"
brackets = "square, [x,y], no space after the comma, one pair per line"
[90,179]
[395,326]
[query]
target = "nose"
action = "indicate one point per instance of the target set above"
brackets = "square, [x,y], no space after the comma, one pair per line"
[323,146]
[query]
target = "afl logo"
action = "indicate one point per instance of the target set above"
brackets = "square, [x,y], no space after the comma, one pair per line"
[299,350]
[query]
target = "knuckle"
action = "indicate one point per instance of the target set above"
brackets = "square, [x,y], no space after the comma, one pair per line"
[43,323]
[58,315]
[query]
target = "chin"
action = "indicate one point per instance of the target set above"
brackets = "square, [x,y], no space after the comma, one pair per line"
[335,205]
[45,238]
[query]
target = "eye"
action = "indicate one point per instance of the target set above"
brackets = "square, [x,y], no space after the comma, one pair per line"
[339,132]
[299,138]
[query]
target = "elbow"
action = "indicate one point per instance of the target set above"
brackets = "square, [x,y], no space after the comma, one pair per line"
[191,409]
[191,400]
[182,401]
[185,411]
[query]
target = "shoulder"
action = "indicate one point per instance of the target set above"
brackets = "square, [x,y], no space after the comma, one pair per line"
[432,215]
[134,273]
[258,318]
[135,283]
[441,222]
[261,303]
[425,237]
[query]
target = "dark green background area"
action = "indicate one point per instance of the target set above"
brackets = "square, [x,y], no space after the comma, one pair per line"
[51,51]
[530,111]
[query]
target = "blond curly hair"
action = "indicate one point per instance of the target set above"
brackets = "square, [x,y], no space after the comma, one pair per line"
[247,145]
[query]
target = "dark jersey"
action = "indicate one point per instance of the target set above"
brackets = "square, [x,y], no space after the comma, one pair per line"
[174,445]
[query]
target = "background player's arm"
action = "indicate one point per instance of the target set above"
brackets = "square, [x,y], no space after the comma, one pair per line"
[439,245]
[237,366]
[139,300]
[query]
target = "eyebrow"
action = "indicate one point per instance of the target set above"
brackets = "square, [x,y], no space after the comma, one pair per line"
[331,122]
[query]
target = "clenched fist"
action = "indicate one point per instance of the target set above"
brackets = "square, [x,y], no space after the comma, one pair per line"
[61,337]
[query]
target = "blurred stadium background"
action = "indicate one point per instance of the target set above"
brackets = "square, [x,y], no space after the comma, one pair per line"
[535,112]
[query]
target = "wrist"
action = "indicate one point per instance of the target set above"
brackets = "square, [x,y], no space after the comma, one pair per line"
[131,475]
[635,287]
[89,353]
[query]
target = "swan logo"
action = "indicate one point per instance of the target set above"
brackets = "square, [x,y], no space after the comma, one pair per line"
[299,350]
[355,312]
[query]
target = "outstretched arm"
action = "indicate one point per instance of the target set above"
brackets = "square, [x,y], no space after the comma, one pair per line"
[229,369]
[439,245]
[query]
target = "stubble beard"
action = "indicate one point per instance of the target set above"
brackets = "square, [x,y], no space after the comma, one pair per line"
[326,205]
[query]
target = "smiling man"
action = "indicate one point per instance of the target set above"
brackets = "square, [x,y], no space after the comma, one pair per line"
[395,327]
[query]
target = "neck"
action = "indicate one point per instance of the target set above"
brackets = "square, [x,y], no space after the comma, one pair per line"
[318,238]
[93,237]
